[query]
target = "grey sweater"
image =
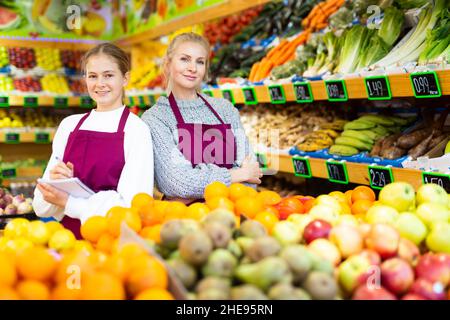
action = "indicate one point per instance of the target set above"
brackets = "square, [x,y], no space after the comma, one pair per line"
[175,176]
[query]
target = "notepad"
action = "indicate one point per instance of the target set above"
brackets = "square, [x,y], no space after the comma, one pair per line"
[72,186]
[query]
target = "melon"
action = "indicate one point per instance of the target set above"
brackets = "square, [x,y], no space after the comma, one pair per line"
[8,19]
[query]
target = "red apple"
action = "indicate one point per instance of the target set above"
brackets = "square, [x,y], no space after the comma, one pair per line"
[316,229]
[428,289]
[365,228]
[412,296]
[397,275]
[384,239]
[434,268]
[348,239]
[407,250]
[372,293]
[372,256]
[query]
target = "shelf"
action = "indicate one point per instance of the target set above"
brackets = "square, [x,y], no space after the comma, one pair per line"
[37,137]
[23,174]
[61,44]
[31,100]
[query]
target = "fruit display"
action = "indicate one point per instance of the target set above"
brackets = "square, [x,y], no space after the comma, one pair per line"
[11,205]
[71,59]
[27,84]
[28,119]
[48,58]
[77,86]
[4,60]
[6,84]
[22,58]
[54,83]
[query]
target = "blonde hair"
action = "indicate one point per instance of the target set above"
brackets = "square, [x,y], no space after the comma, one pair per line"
[182,38]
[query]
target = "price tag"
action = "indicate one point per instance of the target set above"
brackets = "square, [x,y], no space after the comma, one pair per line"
[249,95]
[380,176]
[337,172]
[378,88]
[12,138]
[42,137]
[262,160]
[141,102]
[228,94]
[131,101]
[152,99]
[4,101]
[30,101]
[208,93]
[336,90]
[440,179]
[276,93]
[61,102]
[9,173]
[303,92]
[425,84]
[301,167]
[86,102]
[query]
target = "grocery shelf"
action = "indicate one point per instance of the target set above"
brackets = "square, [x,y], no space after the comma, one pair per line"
[61,44]
[22,174]
[38,137]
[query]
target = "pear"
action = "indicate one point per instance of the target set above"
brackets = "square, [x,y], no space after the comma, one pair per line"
[221,263]
[285,291]
[300,294]
[213,283]
[247,292]
[235,249]
[263,247]
[172,231]
[321,286]
[245,243]
[222,216]
[185,272]
[195,248]
[213,294]
[252,229]
[299,259]
[219,234]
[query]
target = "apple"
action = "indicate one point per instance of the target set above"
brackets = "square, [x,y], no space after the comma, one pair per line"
[348,239]
[399,195]
[364,292]
[434,267]
[384,239]
[431,192]
[430,213]
[351,270]
[397,275]
[300,220]
[348,219]
[412,296]
[373,257]
[324,212]
[365,228]
[326,250]
[411,227]
[438,239]
[329,201]
[408,251]
[381,214]
[315,230]
[286,233]
[429,290]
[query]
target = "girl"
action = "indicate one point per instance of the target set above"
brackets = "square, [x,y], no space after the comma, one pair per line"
[109,149]
[197,139]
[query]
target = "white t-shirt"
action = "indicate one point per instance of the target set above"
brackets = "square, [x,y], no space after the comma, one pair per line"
[136,176]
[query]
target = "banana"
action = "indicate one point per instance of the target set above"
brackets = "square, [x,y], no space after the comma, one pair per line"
[399,120]
[371,134]
[331,133]
[341,150]
[360,135]
[384,121]
[380,130]
[359,125]
[352,142]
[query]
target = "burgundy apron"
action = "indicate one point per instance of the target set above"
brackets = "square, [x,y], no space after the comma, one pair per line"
[98,159]
[205,143]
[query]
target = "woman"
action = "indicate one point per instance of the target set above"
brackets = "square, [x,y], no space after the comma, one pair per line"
[197,139]
[109,149]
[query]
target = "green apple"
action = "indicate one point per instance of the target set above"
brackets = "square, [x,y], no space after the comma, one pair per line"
[350,271]
[330,202]
[438,239]
[399,195]
[432,192]
[325,212]
[300,220]
[411,227]
[380,213]
[430,213]
[348,219]
[286,233]
[326,250]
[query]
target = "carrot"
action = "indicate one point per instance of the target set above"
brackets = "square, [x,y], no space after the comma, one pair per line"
[322,25]
[253,71]
[305,22]
[285,56]
[266,71]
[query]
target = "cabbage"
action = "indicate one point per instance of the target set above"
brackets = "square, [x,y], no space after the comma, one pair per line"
[438,39]
[353,45]
[391,26]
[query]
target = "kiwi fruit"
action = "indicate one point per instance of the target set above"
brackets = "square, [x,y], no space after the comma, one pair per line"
[185,272]
[222,216]
[216,283]
[320,285]
[263,247]
[195,248]
[221,263]
[247,292]
[171,233]
[252,229]
[219,234]
[213,294]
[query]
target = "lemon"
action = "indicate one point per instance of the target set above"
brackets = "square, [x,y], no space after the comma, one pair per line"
[62,240]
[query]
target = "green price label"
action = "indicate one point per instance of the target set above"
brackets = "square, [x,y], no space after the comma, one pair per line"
[9,173]
[87,102]
[42,137]
[208,93]
[425,84]
[262,160]
[61,102]
[378,88]
[228,94]
[30,101]
[12,138]
[303,92]
[302,167]
[337,172]
[131,101]
[276,93]
[380,176]
[152,99]
[4,101]
[249,95]
[336,90]
[142,103]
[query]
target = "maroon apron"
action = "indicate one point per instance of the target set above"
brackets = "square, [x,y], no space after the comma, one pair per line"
[205,143]
[98,159]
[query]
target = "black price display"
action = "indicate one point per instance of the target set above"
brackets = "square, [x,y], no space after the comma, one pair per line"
[141,101]
[301,167]
[378,88]
[276,93]
[9,173]
[380,176]
[87,102]
[440,179]
[42,137]
[425,84]
[208,93]
[152,99]
[30,101]
[4,101]
[262,160]
[336,90]
[249,95]
[131,101]
[61,102]
[228,94]
[303,92]
[12,137]
[337,172]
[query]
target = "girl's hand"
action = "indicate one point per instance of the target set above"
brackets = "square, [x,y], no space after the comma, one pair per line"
[62,171]
[52,195]
[248,172]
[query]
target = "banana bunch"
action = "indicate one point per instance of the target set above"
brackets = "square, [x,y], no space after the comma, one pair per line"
[337,125]
[141,76]
[318,140]
[361,134]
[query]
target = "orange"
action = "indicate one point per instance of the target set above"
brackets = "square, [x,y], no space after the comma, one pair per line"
[117,266]
[249,207]
[348,196]
[197,211]
[83,245]
[175,210]
[105,243]
[220,202]
[154,294]
[36,264]
[63,292]
[143,262]
[308,205]
[53,226]
[8,274]
[116,215]
[7,293]
[339,196]
[130,251]
[346,209]
[272,210]
[141,199]
[141,279]
[237,190]
[251,192]
[268,198]
[76,263]
[360,207]
[33,290]
[363,193]
[102,286]
[267,219]
[93,228]
[151,215]
[237,219]
[152,233]
[216,189]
